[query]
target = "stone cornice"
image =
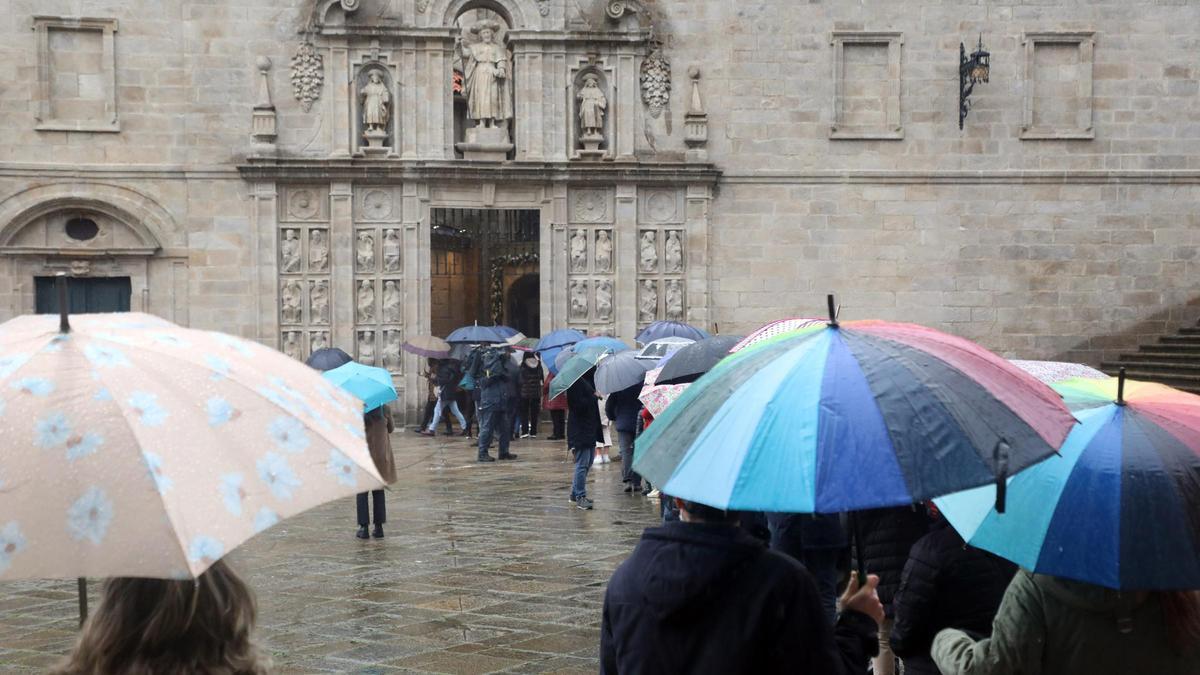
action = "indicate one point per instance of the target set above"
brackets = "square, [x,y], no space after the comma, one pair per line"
[963,177]
[528,172]
[398,33]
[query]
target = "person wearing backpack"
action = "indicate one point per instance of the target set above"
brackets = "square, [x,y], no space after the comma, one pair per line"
[448,375]
[491,372]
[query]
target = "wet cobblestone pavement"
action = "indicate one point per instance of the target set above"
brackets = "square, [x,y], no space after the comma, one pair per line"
[485,568]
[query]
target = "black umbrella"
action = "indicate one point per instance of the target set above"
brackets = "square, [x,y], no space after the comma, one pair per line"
[696,359]
[328,358]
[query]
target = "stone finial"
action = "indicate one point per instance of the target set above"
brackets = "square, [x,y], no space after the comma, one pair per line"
[263,119]
[695,122]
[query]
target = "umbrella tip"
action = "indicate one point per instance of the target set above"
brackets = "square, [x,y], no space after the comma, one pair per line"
[1121,386]
[60,283]
[833,322]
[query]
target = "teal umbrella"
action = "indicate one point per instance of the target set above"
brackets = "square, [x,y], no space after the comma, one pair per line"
[373,386]
[582,361]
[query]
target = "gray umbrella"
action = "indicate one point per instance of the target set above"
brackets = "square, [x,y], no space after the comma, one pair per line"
[621,371]
[696,359]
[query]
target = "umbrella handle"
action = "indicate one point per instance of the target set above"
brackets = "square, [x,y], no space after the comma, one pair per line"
[60,283]
[856,526]
[1000,461]
[833,322]
[83,600]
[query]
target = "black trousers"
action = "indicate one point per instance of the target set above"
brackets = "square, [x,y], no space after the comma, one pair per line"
[558,418]
[529,410]
[380,508]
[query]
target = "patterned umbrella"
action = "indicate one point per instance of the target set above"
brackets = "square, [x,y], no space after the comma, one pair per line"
[134,447]
[846,417]
[774,329]
[656,397]
[1057,371]
[662,349]
[1119,504]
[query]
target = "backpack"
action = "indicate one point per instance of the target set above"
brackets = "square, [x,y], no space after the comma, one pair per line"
[493,367]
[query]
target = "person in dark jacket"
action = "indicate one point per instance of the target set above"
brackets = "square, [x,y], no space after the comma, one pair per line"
[493,372]
[583,431]
[819,542]
[703,596]
[531,394]
[512,370]
[887,536]
[945,584]
[622,407]
[377,424]
[449,373]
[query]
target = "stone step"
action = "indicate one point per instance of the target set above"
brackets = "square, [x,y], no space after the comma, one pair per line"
[1154,365]
[1171,347]
[1183,339]
[1188,383]
[1147,354]
[1195,330]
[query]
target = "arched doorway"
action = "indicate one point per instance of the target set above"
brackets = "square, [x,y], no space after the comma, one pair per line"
[522,306]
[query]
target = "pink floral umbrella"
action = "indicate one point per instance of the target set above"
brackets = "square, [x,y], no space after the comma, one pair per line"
[656,397]
[134,447]
[1057,371]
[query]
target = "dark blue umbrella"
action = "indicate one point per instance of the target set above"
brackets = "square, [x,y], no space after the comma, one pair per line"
[559,338]
[505,331]
[475,334]
[328,358]
[662,329]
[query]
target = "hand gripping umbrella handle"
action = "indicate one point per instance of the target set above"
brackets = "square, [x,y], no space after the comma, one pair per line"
[1000,462]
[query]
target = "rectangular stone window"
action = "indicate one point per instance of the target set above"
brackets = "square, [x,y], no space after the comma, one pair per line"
[77,88]
[1058,86]
[866,86]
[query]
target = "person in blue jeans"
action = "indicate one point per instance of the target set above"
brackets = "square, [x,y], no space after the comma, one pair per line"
[819,542]
[448,375]
[583,431]
[492,382]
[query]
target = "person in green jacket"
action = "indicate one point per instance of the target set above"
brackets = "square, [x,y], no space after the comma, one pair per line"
[1052,626]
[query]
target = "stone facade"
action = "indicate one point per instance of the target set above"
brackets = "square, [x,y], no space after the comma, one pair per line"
[749,158]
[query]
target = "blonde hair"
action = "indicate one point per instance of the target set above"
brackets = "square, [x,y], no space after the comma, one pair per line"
[152,626]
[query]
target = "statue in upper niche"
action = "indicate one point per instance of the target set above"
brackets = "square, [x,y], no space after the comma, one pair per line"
[375,103]
[487,75]
[592,105]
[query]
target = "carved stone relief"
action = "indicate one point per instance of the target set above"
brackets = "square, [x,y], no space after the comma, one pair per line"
[604,294]
[318,299]
[656,81]
[662,206]
[364,252]
[391,350]
[308,75]
[422,5]
[303,204]
[579,300]
[591,206]
[318,251]
[289,252]
[366,347]
[673,257]
[391,251]
[648,302]
[292,346]
[391,302]
[319,340]
[366,302]
[648,252]
[289,300]
[579,245]
[377,204]
[604,249]
[674,300]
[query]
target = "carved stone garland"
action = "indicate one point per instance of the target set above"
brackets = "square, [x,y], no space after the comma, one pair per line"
[308,75]
[497,279]
[656,81]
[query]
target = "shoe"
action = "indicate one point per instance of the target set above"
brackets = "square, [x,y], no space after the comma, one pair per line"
[524,435]
[533,436]
[426,432]
[583,504]
[614,459]
[571,499]
[654,494]
[378,533]
[556,438]
[362,532]
[465,434]
[486,458]
[628,488]
[511,455]
[646,491]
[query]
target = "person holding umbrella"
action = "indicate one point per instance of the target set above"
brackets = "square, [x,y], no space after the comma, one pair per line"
[448,377]
[378,424]
[557,407]
[531,394]
[583,432]
[622,407]
[170,626]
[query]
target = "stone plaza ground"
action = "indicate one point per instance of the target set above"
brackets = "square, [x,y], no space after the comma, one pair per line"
[485,568]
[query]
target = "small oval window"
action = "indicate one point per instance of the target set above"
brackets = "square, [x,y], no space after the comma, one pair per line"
[82,229]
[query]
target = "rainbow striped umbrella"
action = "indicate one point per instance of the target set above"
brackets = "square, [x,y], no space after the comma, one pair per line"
[1119,506]
[842,417]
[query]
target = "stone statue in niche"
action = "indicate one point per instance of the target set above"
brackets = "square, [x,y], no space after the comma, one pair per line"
[365,252]
[291,345]
[290,252]
[318,251]
[391,351]
[648,256]
[604,300]
[674,252]
[320,340]
[487,76]
[366,347]
[648,305]
[391,302]
[674,300]
[289,298]
[592,108]
[579,251]
[391,251]
[604,247]
[376,102]
[318,299]
[366,302]
[579,300]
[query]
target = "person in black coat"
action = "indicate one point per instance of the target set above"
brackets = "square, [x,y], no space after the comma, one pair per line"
[703,596]
[583,431]
[819,542]
[622,407]
[531,394]
[887,536]
[945,584]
